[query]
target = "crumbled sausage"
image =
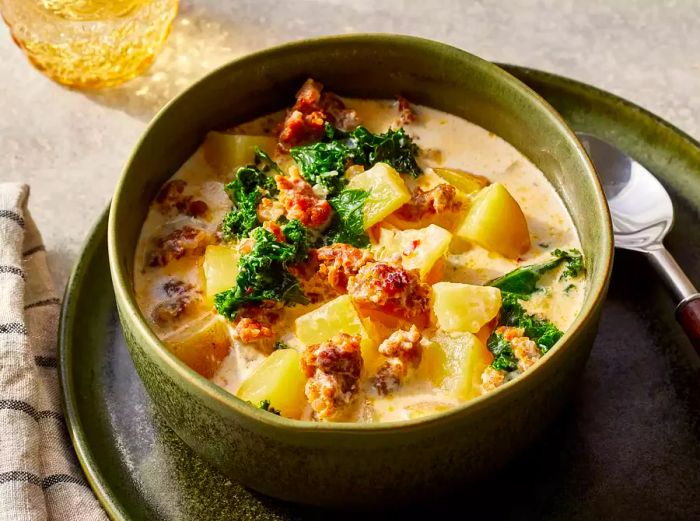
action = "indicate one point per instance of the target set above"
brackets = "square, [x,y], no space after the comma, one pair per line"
[492,378]
[306,120]
[270,210]
[179,296]
[325,273]
[526,351]
[406,113]
[249,330]
[442,198]
[185,241]
[403,350]
[300,202]
[333,370]
[390,287]
[342,117]
[338,262]
[171,198]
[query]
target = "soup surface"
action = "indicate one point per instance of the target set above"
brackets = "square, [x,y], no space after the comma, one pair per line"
[358,260]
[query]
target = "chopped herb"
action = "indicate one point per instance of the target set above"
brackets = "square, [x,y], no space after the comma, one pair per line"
[265,406]
[325,162]
[523,281]
[347,225]
[280,345]
[569,288]
[262,275]
[265,163]
[543,244]
[245,192]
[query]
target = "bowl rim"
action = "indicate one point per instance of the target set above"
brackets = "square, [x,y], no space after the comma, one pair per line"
[227,402]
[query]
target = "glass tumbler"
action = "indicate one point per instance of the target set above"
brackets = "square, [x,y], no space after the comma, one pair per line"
[90,43]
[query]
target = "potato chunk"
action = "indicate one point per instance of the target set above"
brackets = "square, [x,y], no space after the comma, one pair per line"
[463,181]
[454,362]
[226,152]
[496,222]
[338,316]
[387,192]
[202,344]
[463,307]
[280,380]
[418,249]
[220,269]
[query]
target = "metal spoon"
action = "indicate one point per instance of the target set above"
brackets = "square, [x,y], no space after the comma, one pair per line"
[642,215]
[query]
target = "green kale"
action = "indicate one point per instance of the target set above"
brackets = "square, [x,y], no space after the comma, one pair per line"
[325,162]
[298,236]
[523,281]
[262,275]
[347,225]
[538,329]
[574,263]
[265,406]
[265,163]
[245,192]
[503,356]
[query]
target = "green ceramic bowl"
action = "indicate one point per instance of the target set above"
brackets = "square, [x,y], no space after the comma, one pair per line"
[349,464]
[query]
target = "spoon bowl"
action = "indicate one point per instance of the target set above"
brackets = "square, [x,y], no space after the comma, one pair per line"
[642,215]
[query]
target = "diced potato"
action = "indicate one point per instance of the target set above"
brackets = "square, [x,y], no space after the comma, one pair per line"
[463,181]
[418,249]
[387,192]
[338,316]
[202,344]
[496,222]
[227,152]
[454,362]
[463,307]
[220,269]
[280,380]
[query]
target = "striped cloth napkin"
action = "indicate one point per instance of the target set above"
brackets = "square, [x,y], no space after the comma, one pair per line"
[39,476]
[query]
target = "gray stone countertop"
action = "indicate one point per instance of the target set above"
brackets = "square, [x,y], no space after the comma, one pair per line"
[70,145]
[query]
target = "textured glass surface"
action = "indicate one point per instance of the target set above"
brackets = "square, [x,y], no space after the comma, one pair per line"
[90,43]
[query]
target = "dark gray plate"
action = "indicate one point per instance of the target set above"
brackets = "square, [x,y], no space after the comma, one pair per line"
[627,447]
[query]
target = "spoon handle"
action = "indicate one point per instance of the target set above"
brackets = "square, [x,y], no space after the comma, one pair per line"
[688,310]
[688,314]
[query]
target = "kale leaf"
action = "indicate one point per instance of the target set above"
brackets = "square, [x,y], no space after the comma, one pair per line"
[503,356]
[324,162]
[347,225]
[574,263]
[264,162]
[262,275]
[298,236]
[539,330]
[523,281]
[245,192]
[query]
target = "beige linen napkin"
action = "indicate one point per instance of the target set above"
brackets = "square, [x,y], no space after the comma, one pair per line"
[39,476]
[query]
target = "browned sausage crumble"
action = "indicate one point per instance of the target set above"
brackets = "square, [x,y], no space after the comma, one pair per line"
[333,369]
[440,199]
[390,287]
[404,351]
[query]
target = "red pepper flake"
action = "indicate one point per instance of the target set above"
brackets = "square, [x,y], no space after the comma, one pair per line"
[414,244]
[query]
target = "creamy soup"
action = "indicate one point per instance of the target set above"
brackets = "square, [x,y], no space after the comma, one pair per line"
[358,260]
